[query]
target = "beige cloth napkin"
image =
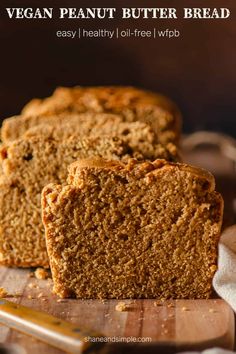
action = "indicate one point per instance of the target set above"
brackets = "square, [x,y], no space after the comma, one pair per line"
[224,281]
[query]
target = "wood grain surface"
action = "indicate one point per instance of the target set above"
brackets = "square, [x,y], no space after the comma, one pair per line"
[176,324]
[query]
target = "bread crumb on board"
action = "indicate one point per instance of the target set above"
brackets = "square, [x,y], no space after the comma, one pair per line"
[122,306]
[33,286]
[17,294]
[41,273]
[212,310]
[3,292]
[158,303]
[185,309]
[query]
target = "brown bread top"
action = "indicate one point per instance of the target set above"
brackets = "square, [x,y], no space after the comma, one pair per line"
[133,230]
[130,103]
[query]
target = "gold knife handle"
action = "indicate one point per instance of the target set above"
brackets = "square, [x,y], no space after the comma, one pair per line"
[49,329]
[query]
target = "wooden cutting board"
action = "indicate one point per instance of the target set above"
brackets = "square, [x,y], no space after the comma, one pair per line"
[174,325]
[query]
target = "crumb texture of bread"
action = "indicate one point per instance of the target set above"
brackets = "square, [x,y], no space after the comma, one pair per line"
[28,164]
[139,135]
[133,230]
[129,103]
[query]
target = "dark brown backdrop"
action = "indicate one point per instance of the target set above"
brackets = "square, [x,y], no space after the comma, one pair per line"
[197,70]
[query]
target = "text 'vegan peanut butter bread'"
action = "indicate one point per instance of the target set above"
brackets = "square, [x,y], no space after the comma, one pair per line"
[28,164]
[131,104]
[133,230]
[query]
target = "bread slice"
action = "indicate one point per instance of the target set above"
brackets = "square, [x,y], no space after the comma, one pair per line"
[133,230]
[138,135]
[131,104]
[28,164]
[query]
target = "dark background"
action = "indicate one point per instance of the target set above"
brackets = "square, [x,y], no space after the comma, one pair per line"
[197,70]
